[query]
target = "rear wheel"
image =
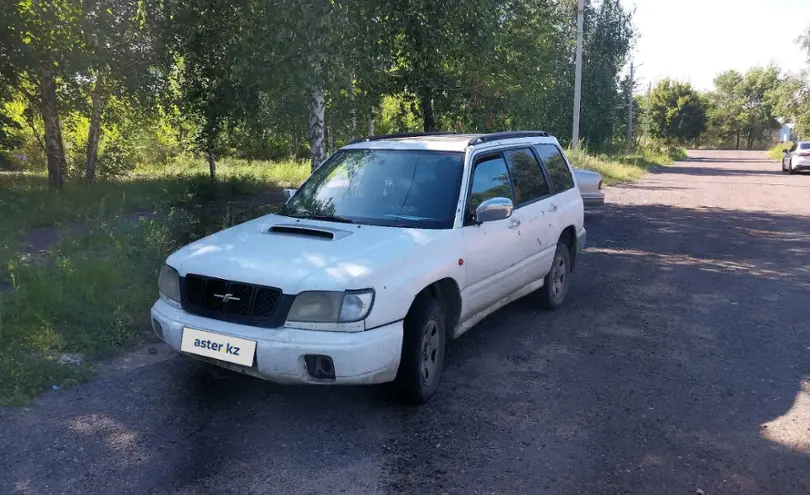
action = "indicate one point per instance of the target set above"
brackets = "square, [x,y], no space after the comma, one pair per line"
[790,167]
[552,294]
[423,345]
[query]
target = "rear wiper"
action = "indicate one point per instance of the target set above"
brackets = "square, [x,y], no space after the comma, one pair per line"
[327,218]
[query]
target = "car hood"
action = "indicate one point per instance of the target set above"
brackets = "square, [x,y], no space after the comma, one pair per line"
[297,255]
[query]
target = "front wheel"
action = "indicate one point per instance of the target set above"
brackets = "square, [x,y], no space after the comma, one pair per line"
[423,345]
[555,287]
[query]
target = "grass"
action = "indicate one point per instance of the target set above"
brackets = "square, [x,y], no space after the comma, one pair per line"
[90,295]
[777,151]
[625,166]
[26,202]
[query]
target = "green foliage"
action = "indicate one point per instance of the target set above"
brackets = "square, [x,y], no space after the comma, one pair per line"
[777,151]
[743,109]
[234,78]
[627,165]
[27,203]
[90,296]
[397,114]
[677,113]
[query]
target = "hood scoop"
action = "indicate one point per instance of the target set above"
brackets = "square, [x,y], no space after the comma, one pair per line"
[323,233]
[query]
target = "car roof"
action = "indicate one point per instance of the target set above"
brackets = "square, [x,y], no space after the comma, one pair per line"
[448,142]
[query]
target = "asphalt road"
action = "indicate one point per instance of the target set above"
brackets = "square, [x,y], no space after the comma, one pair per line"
[680,364]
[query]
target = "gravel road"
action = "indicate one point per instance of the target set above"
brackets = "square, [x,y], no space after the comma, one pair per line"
[680,364]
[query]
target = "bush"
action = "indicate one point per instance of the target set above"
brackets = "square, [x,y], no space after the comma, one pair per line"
[627,165]
[776,152]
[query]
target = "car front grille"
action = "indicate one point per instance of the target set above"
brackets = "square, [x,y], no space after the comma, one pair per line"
[228,300]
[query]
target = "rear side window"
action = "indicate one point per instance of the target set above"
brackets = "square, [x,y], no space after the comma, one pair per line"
[527,176]
[556,166]
[490,180]
[804,146]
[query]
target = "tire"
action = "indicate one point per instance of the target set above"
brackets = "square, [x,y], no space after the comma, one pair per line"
[784,170]
[423,345]
[790,168]
[552,294]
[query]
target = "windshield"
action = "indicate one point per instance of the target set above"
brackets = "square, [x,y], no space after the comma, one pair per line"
[804,146]
[383,187]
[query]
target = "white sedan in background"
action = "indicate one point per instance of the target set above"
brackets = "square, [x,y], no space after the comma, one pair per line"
[590,187]
[797,158]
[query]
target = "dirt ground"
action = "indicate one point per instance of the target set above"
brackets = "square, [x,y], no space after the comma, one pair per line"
[681,363]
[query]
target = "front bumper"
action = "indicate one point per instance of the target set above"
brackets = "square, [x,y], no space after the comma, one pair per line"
[359,358]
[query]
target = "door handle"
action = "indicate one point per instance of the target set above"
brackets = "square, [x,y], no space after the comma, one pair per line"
[552,208]
[515,223]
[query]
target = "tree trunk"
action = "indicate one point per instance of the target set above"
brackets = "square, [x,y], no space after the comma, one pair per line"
[739,130]
[750,142]
[212,166]
[371,123]
[317,107]
[94,133]
[54,149]
[426,102]
[330,141]
[352,111]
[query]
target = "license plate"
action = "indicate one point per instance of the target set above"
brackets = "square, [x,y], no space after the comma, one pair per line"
[222,347]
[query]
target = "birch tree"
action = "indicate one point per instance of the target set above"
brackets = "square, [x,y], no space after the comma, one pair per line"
[43,43]
[122,58]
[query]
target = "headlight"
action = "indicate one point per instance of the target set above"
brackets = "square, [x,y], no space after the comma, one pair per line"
[331,307]
[169,285]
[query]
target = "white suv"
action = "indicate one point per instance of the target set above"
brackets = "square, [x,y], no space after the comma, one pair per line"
[394,245]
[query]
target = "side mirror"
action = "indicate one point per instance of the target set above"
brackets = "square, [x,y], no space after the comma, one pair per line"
[784,152]
[493,210]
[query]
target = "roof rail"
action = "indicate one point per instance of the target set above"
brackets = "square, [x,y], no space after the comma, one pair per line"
[402,135]
[486,138]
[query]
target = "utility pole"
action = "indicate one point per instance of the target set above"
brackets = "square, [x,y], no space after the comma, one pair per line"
[630,107]
[647,120]
[578,74]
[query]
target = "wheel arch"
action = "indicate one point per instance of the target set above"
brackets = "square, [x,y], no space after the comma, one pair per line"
[569,238]
[447,292]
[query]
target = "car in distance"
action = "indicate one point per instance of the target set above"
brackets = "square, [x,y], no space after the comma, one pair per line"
[393,246]
[590,187]
[796,158]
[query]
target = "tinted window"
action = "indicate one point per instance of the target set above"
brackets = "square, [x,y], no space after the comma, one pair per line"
[556,166]
[804,146]
[490,180]
[383,187]
[527,177]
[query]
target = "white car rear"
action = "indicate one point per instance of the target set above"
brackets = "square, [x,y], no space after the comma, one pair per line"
[797,158]
[590,187]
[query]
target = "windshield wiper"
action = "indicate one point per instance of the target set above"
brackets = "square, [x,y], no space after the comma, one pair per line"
[327,218]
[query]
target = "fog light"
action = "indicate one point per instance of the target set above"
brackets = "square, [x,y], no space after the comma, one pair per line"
[320,367]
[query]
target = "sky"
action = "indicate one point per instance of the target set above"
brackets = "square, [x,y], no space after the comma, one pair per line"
[694,40]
